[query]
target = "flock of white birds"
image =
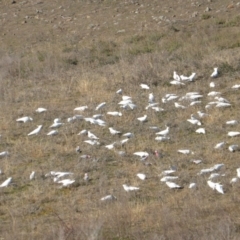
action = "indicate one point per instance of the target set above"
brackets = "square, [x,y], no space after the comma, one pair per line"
[168,176]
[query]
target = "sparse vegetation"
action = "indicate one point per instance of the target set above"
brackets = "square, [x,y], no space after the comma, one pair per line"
[64,54]
[206,16]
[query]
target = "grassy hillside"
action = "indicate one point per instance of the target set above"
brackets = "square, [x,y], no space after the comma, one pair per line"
[65,54]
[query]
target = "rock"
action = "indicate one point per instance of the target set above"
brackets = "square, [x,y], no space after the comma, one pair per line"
[91,26]
[194,14]
[208,9]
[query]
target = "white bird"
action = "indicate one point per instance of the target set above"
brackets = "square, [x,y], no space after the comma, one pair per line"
[201,131]
[110,146]
[141,176]
[129,106]
[113,131]
[125,102]
[158,109]
[151,105]
[78,117]
[83,132]
[66,182]
[167,178]
[221,104]
[119,91]
[218,166]
[184,78]
[71,119]
[78,149]
[162,138]
[233,134]
[221,99]
[219,145]
[92,142]
[108,198]
[82,108]
[142,119]
[163,132]
[213,93]
[151,98]
[194,121]
[197,161]
[189,79]
[215,73]
[24,119]
[141,154]
[100,122]
[193,117]
[233,148]
[91,120]
[123,141]
[177,105]
[214,175]
[194,97]
[188,94]
[32,175]
[128,135]
[116,114]
[176,76]
[40,110]
[166,172]
[57,120]
[234,180]
[101,105]
[4,154]
[212,85]
[86,177]
[35,131]
[168,97]
[185,151]
[175,82]
[6,182]
[211,184]
[97,116]
[202,114]
[232,122]
[92,136]
[154,128]
[238,172]
[129,188]
[173,185]
[236,86]
[52,133]
[56,125]
[192,185]
[195,103]
[126,98]
[59,174]
[85,156]
[144,86]
[219,188]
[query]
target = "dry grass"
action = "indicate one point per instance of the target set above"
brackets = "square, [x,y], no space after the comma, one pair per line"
[80,54]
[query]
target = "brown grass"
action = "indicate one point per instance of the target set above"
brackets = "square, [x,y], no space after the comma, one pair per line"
[61,55]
